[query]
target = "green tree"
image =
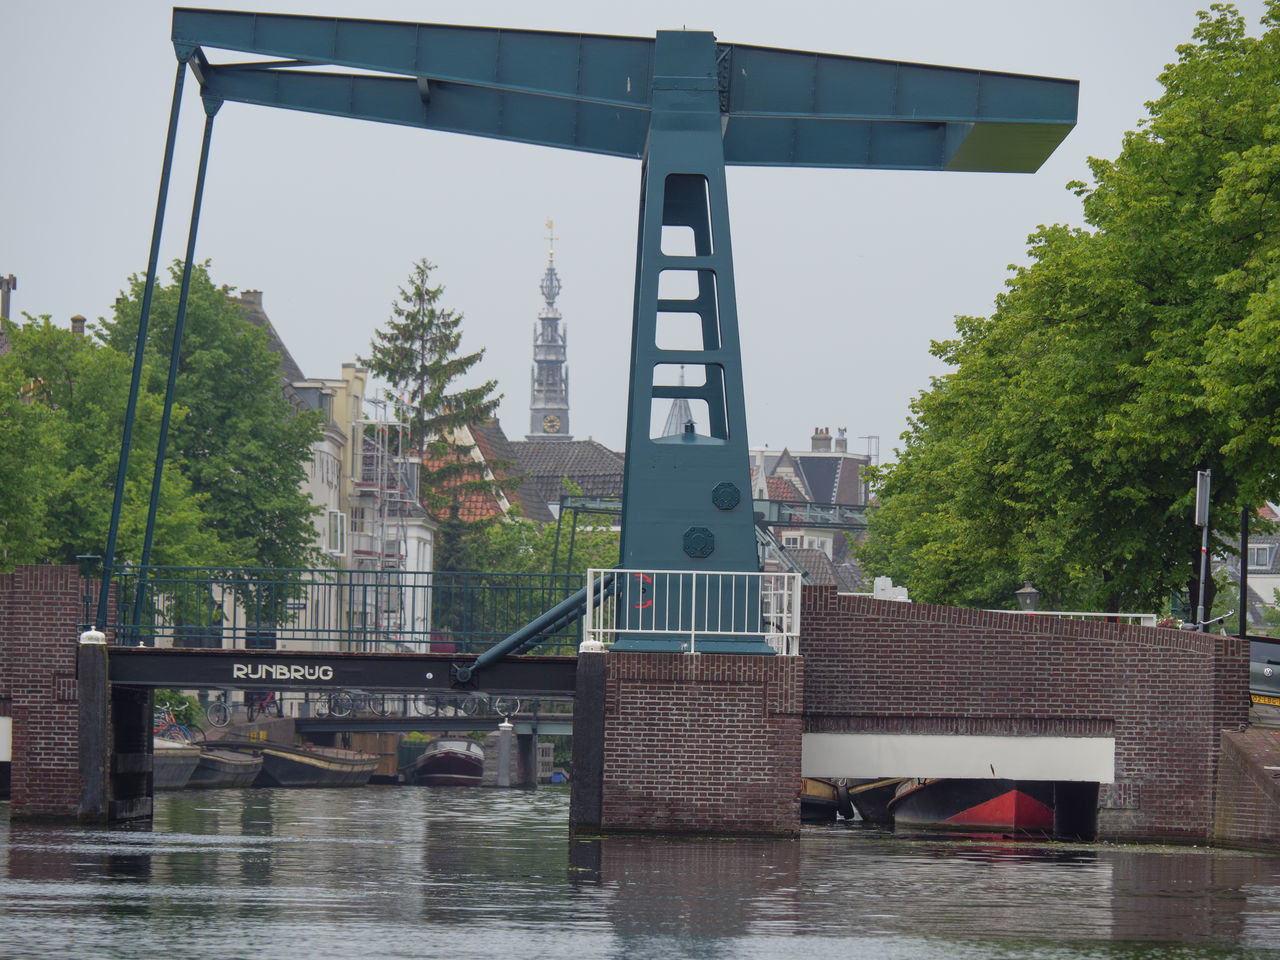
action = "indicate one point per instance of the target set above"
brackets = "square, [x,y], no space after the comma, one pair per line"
[1062,445]
[417,354]
[241,444]
[30,440]
[518,545]
[492,591]
[63,399]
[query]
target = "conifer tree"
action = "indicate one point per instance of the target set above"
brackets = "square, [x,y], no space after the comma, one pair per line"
[416,353]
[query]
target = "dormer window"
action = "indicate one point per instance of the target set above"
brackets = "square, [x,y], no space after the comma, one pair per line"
[1260,556]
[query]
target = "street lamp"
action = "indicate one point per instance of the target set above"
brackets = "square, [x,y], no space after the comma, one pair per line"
[1028,596]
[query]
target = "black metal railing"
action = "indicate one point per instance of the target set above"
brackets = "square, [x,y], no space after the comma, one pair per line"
[346,610]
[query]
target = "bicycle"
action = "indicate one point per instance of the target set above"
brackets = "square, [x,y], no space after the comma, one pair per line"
[449,705]
[166,726]
[263,704]
[506,706]
[377,704]
[218,712]
[339,704]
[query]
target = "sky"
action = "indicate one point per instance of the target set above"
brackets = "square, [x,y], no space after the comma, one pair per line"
[844,277]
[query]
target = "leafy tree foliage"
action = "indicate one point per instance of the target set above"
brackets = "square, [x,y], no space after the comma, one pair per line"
[500,554]
[1062,445]
[518,545]
[417,354]
[62,403]
[241,444]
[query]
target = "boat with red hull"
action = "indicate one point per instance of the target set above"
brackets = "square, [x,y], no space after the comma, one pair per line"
[448,762]
[979,806]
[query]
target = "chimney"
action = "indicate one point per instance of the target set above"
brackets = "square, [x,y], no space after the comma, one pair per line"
[251,298]
[842,441]
[820,442]
[77,325]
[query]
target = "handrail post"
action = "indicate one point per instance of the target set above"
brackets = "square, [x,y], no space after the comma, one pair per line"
[693,615]
[796,589]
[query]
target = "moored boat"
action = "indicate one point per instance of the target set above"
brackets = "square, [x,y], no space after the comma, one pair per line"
[977,805]
[871,798]
[224,768]
[172,763]
[822,798]
[284,766]
[447,762]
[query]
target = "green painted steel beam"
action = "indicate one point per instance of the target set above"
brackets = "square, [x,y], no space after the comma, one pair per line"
[687,106]
[595,93]
[328,671]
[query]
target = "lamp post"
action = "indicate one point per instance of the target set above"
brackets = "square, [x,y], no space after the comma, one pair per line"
[1203,481]
[1028,596]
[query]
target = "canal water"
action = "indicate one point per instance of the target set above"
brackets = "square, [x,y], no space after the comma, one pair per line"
[390,872]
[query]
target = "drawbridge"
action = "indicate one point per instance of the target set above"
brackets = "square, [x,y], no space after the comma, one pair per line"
[686,105]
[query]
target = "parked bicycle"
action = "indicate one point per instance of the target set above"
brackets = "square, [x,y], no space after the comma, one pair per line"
[467,705]
[350,703]
[263,705]
[166,726]
[218,712]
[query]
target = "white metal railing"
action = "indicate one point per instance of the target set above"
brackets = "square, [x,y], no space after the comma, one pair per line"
[1140,619]
[693,605]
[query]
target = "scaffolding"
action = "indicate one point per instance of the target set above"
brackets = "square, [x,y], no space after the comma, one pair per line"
[384,499]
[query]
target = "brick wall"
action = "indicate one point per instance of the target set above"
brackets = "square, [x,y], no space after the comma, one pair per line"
[703,743]
[1165,695]
[39,612]
[1247,811]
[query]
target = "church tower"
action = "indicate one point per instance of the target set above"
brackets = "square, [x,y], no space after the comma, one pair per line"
[549,395]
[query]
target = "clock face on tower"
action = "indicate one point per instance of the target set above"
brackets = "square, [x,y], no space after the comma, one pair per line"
[551,423]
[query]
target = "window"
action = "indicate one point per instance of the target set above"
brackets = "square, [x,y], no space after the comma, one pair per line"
[337,542]
[1260,556]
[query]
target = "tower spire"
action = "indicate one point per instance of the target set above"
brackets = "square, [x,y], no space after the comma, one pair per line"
[549,391]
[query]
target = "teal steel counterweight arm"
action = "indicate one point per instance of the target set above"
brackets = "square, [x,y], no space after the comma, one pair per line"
[563,613]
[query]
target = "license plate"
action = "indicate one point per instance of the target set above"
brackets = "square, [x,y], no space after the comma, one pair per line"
[1270,701]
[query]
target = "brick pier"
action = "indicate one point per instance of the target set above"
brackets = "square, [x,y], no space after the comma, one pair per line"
[38,630]
[702,743]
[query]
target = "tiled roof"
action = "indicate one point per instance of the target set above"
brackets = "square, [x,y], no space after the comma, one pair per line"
[816,565]
[593,467]
[473,504]
[780,488]
[250,304]
[820,473]
[496,448]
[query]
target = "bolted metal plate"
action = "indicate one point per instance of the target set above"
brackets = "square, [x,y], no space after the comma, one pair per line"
[726,495]
[699,542]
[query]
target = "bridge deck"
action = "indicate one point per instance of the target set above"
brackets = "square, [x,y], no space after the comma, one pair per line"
[309,670]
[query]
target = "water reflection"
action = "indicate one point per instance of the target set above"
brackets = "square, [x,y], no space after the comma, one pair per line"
[417,872]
